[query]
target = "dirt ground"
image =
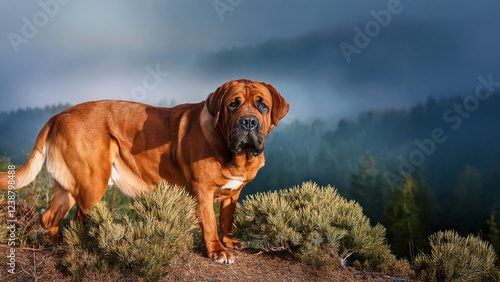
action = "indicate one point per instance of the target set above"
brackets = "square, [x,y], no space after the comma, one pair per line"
[250,265]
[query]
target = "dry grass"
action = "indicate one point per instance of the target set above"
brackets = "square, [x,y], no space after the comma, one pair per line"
[251,265]
[32,265]
[254,265]
[29,232]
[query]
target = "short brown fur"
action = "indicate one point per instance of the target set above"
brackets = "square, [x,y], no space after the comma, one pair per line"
[138,145]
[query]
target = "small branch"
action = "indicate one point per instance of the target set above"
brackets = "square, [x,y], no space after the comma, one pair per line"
[27,249]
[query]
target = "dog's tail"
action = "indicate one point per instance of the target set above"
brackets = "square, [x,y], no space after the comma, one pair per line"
[27,173]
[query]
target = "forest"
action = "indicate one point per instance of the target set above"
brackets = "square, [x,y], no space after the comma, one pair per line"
[434,166]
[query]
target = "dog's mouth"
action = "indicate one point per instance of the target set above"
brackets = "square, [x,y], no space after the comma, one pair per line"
[246,142]
[249,149]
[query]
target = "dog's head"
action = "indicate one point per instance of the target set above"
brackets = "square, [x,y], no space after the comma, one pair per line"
[246,111]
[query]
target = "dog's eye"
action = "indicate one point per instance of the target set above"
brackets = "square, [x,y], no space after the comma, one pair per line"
[263,107]
[232,106]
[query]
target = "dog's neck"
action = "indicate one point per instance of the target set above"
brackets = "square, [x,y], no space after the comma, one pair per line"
[210,131]
[241,164]
[243,158]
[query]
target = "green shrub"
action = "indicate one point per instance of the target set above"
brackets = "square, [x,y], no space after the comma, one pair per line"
[455,258]
[143,244]
[313,224]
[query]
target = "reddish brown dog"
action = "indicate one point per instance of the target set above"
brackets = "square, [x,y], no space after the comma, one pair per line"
[212,148]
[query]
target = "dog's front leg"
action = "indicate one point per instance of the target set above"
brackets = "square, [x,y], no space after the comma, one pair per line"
[226,221]
[206,214]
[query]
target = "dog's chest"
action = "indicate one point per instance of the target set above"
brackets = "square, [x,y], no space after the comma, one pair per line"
[228,186]
[233,184]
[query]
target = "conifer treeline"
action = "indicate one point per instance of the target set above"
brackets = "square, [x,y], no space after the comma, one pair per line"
[455,185]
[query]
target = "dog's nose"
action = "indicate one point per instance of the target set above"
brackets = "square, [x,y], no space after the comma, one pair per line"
[249,122]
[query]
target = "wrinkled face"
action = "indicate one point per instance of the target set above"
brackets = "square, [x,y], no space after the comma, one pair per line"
[246,112]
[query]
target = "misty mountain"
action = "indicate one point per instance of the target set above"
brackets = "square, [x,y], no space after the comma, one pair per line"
[398,68]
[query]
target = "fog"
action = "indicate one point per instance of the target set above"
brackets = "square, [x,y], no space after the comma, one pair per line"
[400,51]
[381,92]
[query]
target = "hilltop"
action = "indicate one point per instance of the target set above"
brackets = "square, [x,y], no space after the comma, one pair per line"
[251,265]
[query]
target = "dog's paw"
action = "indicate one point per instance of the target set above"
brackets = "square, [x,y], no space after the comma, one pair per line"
[224,257]
[232,243]
[55,237]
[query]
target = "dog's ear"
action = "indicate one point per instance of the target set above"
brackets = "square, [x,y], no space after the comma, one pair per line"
[280,106]
[214,102]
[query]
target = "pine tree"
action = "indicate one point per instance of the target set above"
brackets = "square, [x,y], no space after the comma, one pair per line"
[468,206]
[368,189]
[427,210]
[493,232]
[403,219]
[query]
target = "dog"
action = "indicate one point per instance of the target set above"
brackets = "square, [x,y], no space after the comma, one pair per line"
[212,148]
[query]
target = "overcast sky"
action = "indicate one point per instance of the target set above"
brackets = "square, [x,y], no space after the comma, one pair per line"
[74,51]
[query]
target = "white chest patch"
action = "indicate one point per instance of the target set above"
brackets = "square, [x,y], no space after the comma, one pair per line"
[233,184]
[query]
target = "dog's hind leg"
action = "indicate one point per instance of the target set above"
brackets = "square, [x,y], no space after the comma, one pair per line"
[91,189]
[61,202]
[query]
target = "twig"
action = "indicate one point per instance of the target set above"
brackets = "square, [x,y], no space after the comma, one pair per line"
[31,273]
[394,278]
[114,201]
[27,249]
